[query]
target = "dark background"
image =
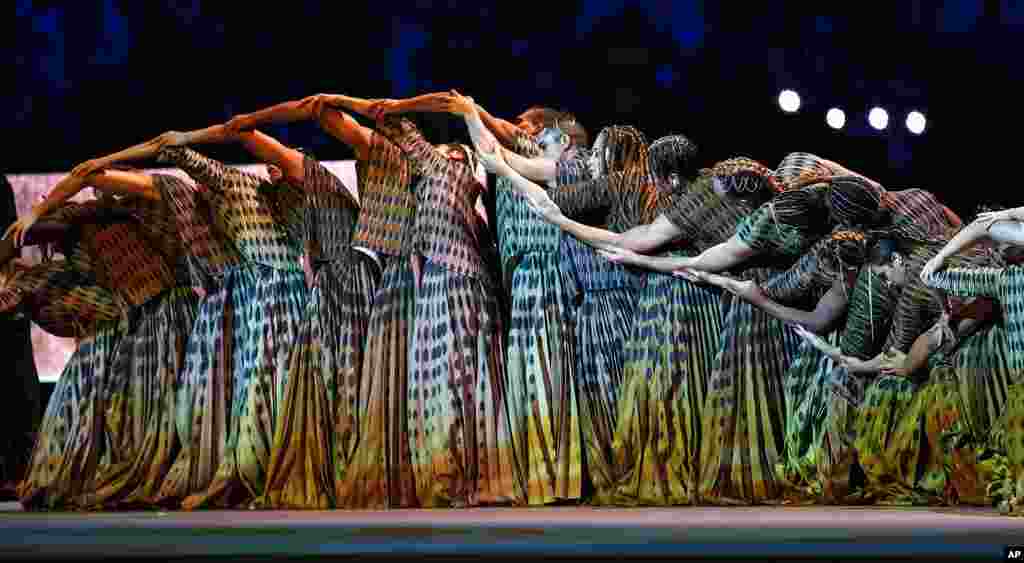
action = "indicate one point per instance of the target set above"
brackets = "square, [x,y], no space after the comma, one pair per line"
[93,77]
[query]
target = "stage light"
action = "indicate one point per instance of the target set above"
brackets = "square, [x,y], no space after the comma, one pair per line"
[916,122]
[789,101]
[878,118]
[835,118]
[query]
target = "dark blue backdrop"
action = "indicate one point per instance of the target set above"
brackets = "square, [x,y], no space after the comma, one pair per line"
[91,77]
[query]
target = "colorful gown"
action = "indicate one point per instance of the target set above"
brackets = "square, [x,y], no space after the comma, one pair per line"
[606,305]
[822,399]
[542,393]
[743,422]
[142,439]
[379,471]
[459,433]
[920,226]
[316,428]
[1005,284]
[669,357]
[232,389]
[122,394]
[65,299]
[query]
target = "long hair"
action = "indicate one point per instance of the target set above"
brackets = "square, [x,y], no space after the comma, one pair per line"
[625,149]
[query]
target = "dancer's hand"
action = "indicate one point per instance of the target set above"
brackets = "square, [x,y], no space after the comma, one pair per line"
[20,228]
[544,207]
[89,167]
[459,104]
[384,107]
[989,217]
[493,159]
[931,266]
[620,255]
[172,139]
[239,123]
[688,274]
[10,272]
[819,343]
[747,290]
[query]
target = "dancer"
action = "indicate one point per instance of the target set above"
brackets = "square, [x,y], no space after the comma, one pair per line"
[818,391]
[316,425]
[372,467]
[674,337]
[126,438]
[542,394]
[238,357]
[459,435]
[1005,228]
[626,188]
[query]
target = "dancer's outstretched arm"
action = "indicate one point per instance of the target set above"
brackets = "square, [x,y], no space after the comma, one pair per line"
[331,119]
[640,239]
[830,307]
[718,258]
[1001,226]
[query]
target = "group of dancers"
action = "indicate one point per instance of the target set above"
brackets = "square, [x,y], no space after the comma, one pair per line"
[640,332]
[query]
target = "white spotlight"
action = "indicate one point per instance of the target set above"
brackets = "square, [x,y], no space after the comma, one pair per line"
[915,122]
[878,118]
[835,118]
[789,101]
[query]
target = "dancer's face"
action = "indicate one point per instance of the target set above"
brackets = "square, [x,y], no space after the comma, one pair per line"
[453,152]
[718,186]
[553,142]
[275,173]
[894,271]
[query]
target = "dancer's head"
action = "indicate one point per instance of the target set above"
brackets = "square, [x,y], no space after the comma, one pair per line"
[616,149]
[536,118]
[885,260]
[578,137]
[743,178]
[853,202]
[671,161]
[553,142]
[276,174]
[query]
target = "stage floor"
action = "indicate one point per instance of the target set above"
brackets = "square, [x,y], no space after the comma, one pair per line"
[858,533]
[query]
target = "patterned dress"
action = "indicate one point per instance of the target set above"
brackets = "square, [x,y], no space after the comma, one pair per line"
[459,431]
[606,307]
[139,399]
[921,227]
[63,297]
[317,424]
[542,394]
[232,388]
[379,472]
[822,399]
[1007,285]
[125,401]
[743,422]
[669,357]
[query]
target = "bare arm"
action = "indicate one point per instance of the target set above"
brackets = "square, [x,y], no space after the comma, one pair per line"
[538,169]
[268,149]
[718,258]
[642,238]
[341,126]
[504,131]
[821,320]
[125,182]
